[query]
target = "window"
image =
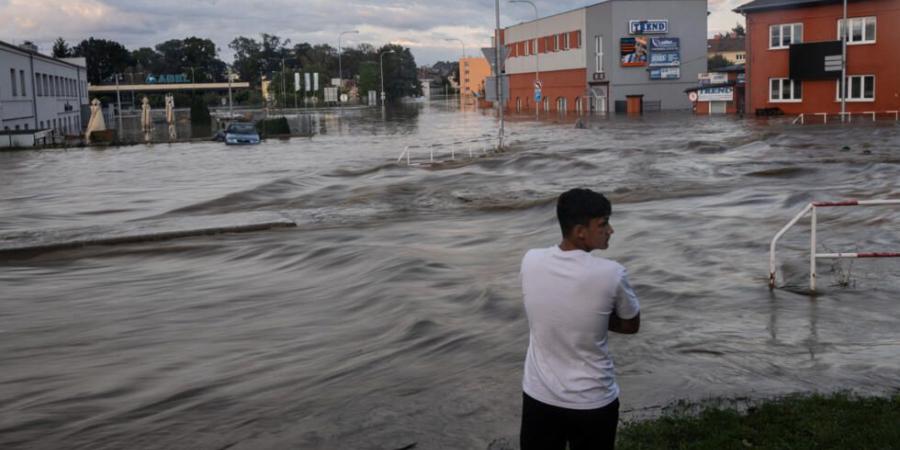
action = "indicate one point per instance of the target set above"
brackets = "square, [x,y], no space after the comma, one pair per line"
[577,39]
[598,54]
[862,30]
[785,90]
[37,85]
[46,85]
[862,88]
[22,80]
[739,57]
[564,41]
[12,81]
[782,36]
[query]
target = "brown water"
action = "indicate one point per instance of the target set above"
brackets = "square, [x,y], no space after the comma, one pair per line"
[392,315]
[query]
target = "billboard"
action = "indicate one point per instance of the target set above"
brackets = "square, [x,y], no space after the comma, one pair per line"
[815,61]
[665,52]
[634,51]
[665,73]
[716,94]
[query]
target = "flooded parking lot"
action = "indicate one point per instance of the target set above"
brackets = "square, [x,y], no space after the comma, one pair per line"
[391,315]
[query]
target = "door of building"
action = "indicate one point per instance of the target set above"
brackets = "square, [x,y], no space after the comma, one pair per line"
[717,107]
[600,98]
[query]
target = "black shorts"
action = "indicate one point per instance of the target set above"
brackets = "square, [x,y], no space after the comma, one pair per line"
[547,427]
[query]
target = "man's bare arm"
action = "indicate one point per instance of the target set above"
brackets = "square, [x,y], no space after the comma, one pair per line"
[624,326]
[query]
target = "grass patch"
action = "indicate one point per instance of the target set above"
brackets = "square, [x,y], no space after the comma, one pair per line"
[835,421]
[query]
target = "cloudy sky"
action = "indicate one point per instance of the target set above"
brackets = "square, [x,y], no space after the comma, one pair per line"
[423,26]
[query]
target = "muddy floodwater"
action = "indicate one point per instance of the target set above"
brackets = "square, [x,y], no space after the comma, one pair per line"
[391,315]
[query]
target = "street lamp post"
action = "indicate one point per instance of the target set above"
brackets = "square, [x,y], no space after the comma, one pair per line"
[283,91]
[537,54]
[381,64]
[340,69]
[843,83]
[463,59]
[230,108]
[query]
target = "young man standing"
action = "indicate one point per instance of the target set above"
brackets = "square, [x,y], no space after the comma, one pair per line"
[572,300]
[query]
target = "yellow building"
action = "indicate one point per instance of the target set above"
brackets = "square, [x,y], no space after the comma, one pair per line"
[729,47]
[472,73]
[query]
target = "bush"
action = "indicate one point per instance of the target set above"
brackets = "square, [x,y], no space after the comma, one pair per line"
[199,111]
[268,127]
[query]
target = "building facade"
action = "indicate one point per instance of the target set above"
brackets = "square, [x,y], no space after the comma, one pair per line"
[472,73]
[775,29]
[731,48]
[38,92]
[593,58]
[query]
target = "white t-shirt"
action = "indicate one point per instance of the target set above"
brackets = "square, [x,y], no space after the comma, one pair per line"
[569,296]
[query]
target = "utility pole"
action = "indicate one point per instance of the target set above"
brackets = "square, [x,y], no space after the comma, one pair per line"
[283,91]
[499,81]
[340,69]
[843,83]
[230,108]
[537,55]
[119,106]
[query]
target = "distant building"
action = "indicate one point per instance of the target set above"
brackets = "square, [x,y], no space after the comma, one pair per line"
[472,73]
[732,48]
[596,57]
[39,92]
[719,92]
[794,55]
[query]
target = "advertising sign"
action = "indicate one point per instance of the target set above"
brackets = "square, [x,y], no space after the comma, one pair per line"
[665,44]
[296,81]
[665,52]
[665,73]
[331,94]
[648,26]
[665,59]
[306,82]
[713,78]
[316,81]
[716,94]
[634,52]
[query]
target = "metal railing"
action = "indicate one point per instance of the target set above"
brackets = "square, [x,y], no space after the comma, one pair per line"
[847,116]
[812,241]
[470,148]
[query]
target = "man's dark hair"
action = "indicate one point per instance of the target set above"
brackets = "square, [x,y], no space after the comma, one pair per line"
[578,206]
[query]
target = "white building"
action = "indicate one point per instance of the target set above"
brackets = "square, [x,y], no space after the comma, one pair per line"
[38,92]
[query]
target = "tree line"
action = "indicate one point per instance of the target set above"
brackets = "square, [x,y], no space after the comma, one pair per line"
[269,57]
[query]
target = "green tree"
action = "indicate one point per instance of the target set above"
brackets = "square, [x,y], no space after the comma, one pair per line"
[400,73]
[368,78]
[717,62]
[104,58]
[193,56]
[61,49]
[738,30]
[147,61]
[253,58]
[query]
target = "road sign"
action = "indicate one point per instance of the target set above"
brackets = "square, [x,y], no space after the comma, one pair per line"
[490,53]
[538,84]
[537,94]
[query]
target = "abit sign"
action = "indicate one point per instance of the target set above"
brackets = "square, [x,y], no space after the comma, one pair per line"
[648,26]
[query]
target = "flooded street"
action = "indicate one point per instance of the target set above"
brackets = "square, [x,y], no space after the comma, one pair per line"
[392,315]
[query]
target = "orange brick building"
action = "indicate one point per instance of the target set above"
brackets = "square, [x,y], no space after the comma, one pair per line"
[873,68]
[472,73]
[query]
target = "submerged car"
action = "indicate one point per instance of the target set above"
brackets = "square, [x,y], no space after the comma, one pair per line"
[241,133]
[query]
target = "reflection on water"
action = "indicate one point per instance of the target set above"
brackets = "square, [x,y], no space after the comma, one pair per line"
[303,122]
[391,315]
